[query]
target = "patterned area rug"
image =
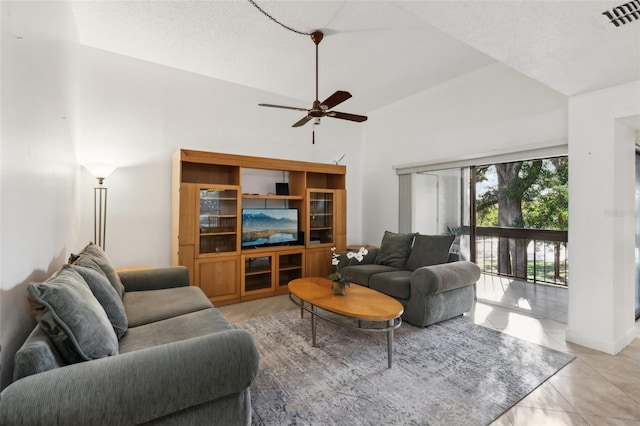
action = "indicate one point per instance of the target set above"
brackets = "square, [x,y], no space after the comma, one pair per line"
[452,373]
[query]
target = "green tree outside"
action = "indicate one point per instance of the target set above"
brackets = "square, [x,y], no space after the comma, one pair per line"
[529,194]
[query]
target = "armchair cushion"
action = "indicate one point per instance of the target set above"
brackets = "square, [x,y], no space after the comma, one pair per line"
[394,250]
[73,318]
[429,250]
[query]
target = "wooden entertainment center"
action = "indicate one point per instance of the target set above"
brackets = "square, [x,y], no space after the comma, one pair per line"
[209,191]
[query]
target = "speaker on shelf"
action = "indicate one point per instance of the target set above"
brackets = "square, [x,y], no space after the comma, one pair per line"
[282,188]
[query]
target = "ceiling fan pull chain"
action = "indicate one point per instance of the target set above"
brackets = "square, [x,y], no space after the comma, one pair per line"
[276,21]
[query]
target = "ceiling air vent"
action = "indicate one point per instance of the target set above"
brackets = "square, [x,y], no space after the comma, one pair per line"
[624,13]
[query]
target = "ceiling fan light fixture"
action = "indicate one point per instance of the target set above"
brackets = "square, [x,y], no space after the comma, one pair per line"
[319,109]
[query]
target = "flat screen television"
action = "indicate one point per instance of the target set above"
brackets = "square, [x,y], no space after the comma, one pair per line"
[269,227]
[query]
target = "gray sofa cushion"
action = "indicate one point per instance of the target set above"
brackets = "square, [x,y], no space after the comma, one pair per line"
[396,284]
[107,296]
[144,307]
[36,355]
[394,250]
[361,274]
[93,257]
[170,330]
[73,318]
[429,250]
[154,278]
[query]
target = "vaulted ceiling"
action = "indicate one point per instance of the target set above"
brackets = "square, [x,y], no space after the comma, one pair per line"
[380,51]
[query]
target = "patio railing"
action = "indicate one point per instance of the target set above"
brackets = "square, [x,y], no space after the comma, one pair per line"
[535,255]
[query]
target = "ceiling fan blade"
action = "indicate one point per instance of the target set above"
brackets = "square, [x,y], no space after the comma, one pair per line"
[302,122]
[283,107]
[345,116]
[335,99]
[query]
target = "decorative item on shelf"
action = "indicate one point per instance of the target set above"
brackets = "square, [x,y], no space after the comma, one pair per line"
[100,171]
[339,283]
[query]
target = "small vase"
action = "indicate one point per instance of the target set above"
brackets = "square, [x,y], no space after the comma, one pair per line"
[338,288]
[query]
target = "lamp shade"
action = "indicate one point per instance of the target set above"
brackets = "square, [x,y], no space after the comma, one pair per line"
[100,170]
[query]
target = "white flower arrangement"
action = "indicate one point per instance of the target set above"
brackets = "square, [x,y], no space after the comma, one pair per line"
[335,261]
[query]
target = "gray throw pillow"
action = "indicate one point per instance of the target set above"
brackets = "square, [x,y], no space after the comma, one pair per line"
[394,250]
[107,296]
[92,256]
[72,317]
[429,250]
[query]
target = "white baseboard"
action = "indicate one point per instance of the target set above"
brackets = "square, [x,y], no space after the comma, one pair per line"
[610,347]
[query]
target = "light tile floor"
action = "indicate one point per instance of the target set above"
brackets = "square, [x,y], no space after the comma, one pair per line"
[595,389]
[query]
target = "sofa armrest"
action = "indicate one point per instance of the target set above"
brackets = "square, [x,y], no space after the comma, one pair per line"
[135,387]
[430,280]
[154,278]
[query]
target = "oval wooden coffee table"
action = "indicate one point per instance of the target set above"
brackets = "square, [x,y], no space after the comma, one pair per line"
[361,303]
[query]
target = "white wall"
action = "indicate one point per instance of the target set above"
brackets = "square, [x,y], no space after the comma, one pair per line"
[38,195]
[137,114]
[494,109]
[602,217]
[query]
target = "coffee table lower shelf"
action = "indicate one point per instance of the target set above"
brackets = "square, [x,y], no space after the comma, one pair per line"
[391,324]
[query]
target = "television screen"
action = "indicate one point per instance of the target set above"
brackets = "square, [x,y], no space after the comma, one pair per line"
[262,227]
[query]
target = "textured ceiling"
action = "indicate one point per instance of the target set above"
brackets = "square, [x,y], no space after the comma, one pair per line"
[380,51]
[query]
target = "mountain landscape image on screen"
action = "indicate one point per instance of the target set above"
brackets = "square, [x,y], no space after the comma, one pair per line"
[269,226]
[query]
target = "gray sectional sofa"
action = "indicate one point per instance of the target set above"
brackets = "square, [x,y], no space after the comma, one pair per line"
[418,271]
[138,347]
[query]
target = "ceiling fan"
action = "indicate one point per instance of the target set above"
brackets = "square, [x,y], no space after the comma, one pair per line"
[322,109]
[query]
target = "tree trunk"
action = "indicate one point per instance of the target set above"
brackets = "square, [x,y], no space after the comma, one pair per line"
[556,262]
[512,254]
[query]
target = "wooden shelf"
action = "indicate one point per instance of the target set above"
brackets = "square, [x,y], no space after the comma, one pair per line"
[271,197]
[290,268]
[268,271]
[206,221]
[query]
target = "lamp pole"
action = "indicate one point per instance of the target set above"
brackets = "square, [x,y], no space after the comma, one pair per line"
[100,213]
[100,171]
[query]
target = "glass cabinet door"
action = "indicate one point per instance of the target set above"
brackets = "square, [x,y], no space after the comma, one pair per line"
[257,273]
[218,219]
[321,220]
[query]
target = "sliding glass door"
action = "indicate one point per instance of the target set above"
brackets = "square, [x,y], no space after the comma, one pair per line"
[440,205]
[510,218]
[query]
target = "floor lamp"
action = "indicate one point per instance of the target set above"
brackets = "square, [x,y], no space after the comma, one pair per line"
[100,171]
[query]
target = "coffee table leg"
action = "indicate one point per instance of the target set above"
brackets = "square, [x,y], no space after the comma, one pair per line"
[390,342]
[313,324]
